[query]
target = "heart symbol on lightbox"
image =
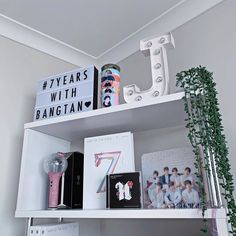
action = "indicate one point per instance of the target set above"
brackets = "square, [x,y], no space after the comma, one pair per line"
[87,104]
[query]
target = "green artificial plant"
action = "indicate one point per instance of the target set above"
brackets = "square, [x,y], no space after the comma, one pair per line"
[206,136]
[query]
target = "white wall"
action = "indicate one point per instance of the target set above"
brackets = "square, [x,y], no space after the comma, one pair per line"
[20,68]
[208,40]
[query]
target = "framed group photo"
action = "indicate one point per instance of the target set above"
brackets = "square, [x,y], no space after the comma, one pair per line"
[169,179]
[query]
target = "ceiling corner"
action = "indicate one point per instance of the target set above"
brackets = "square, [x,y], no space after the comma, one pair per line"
[172,18]
[27,36]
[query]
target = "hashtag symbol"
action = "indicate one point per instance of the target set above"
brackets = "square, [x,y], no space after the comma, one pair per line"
[44,85]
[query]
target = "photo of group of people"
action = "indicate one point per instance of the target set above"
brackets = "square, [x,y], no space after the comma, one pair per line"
[169,180]
[172,190]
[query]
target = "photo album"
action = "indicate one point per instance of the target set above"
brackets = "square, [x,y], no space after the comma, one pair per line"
[169,179]
[105,155]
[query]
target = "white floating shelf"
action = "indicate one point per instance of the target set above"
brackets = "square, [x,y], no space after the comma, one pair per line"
[126,214]
[162,112]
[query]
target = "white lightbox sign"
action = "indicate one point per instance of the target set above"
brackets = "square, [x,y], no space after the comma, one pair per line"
[67,93]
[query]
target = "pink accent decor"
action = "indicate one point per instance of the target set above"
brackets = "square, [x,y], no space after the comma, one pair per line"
[54,179]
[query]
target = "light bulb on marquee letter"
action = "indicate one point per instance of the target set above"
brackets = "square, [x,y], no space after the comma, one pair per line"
[156,47]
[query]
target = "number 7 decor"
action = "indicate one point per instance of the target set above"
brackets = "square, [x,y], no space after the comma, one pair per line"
[105,155]
[156,48]
[114,158]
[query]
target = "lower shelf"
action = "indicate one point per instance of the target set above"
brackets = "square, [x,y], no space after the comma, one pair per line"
[125,214]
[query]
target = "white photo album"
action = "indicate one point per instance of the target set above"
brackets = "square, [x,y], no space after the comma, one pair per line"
[105,155]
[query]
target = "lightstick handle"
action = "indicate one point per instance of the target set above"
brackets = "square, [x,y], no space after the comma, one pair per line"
[54,179]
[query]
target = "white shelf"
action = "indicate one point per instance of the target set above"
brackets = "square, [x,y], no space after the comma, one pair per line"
[126,214]
[162,112]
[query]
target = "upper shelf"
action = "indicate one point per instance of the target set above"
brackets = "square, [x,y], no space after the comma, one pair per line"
[162,112]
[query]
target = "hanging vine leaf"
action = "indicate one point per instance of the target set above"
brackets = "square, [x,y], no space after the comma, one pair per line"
[206,132]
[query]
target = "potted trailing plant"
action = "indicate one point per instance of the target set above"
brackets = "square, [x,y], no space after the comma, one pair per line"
[208,140]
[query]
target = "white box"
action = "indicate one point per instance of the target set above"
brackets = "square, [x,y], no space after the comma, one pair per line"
[105,155]
[63,229]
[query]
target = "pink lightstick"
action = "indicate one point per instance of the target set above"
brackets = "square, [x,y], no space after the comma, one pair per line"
[54,166]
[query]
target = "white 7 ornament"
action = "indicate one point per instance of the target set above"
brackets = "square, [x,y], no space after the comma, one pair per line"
[156,47]
[113,157]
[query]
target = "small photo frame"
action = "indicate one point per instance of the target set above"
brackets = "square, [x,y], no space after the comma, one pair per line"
[124,190]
